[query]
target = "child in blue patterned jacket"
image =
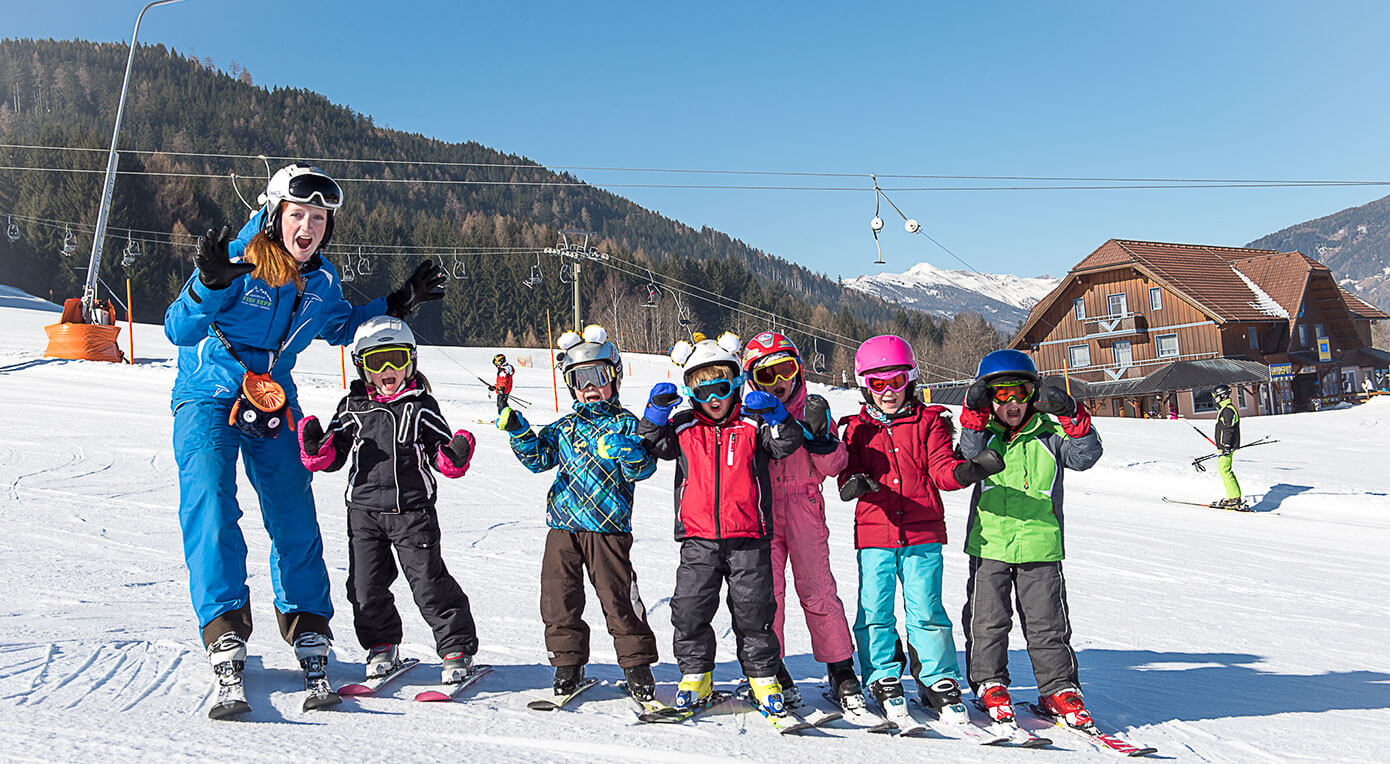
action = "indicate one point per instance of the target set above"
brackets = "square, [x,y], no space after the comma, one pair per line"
[589,511]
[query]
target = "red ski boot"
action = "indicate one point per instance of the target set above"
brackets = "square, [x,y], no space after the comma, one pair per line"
[1069,707]
[995,700]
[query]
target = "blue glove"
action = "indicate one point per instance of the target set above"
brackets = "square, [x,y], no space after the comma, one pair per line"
[624,448]
[512,421]
[663,399]
[765,407]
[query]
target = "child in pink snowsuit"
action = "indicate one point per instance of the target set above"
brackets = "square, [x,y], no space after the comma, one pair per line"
[799,532]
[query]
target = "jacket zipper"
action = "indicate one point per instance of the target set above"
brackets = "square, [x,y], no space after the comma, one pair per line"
[718,533]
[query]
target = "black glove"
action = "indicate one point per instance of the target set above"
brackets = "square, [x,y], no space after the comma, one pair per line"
[979,467]
[1054,400]
[977,396]
[460,448]
[512,421]
[312,435]
[857,485]
[425,284]
[215,267]
[818,424]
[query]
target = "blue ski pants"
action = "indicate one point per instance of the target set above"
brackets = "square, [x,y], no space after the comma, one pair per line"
[206,448]
[929,640]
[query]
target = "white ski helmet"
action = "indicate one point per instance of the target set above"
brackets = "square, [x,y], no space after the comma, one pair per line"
[708,353]
[380,332]
[301,183]
[593,345]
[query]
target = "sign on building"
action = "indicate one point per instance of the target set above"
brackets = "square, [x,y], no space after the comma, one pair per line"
[1278,371]
[1324,349]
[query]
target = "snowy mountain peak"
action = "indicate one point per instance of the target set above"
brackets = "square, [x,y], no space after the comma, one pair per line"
[1003,299]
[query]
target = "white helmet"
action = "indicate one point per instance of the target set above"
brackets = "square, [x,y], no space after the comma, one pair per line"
[302,184]
[708,353]
[380,332]
[593,345]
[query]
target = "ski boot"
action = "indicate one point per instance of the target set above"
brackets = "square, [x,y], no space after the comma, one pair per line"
[568,679]
[228,656]
[640,684]
[791,697]
[886,690]
[1068,706]
[943,692]
[693,690]
[768,692]
[844,685]
[456,667]
[382,660]
[311,648]
[995,701]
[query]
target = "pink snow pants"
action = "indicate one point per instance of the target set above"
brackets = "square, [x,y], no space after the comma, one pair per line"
[800,535]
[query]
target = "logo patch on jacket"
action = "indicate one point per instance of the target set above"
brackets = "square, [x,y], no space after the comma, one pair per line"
[257,297]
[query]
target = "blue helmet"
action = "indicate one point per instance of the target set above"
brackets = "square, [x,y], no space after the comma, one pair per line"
[1007,363]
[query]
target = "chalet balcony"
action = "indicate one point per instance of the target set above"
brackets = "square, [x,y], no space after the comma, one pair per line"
[1117,326]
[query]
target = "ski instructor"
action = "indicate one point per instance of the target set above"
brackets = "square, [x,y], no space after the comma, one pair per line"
[250,308]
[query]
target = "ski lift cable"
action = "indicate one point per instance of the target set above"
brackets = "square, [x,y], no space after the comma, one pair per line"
[695,171]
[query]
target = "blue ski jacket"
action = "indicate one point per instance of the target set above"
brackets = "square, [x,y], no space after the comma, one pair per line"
[255,316]
[591,492]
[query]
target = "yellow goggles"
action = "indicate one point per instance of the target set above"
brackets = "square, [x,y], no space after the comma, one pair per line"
[380,359]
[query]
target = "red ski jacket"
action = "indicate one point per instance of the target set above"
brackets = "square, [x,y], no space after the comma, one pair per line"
[504,378]
[722,485]
[913,461]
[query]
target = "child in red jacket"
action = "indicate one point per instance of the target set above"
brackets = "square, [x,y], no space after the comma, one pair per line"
[900,459]
[723,513]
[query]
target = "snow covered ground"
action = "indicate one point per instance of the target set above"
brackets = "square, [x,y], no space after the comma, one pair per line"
[1215,636]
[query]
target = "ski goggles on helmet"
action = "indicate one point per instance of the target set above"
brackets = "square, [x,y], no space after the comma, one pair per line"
[880,381]
[714,389]
[306,188]
[767,376]
[1013,391]
[261,407]
[380,359]
[590,375]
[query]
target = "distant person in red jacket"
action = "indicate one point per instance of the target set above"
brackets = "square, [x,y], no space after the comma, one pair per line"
[722,447]
[503,387]
[900,459]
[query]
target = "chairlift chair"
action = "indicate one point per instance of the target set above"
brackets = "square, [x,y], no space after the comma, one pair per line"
[12,230]
[346,273]
[69,243]
[459,271]
[653,297]
[817,357]
[364,265]
[132,251]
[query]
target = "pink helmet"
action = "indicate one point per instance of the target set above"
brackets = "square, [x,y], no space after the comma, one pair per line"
[883,351]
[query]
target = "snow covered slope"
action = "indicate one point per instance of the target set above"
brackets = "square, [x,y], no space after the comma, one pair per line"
[1003,299]
[1214,636]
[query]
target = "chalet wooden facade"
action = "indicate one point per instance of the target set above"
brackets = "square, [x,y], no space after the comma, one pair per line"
[1146,328]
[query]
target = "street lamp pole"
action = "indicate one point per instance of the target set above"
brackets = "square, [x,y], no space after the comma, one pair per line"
[89,293]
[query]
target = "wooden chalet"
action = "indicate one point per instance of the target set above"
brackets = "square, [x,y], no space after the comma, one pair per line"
[1143,328]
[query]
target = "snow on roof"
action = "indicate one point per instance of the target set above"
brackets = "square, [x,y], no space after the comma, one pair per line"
[1262,302]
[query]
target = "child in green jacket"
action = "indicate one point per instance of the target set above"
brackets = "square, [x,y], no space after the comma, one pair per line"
[1014,537]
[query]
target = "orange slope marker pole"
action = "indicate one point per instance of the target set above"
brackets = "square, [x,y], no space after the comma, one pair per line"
[342,363]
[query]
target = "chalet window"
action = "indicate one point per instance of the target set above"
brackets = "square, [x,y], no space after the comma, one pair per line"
[1202,400]
[1078,309]
[1122,354]
[1319,331]
[1167,345]
[1302,335]
[1079,356]
[1155,298]
[1240,396]
[1254,339]
[1117,304]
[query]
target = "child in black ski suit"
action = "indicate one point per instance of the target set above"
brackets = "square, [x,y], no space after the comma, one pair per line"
[391,428]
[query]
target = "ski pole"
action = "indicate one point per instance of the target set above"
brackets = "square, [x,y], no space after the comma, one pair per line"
[1204,435]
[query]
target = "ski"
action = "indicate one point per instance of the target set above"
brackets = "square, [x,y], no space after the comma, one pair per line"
[1241,508]
[320,694]
[446,692]
[897,713]
[856,711]
[816,716]
[664,714]
[556,702]
[1104,740]
[1017,735]
[954,721]
[231,694]
[374,684]
[787,723]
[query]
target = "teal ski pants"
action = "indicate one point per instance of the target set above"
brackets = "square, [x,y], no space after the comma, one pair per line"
[929,642]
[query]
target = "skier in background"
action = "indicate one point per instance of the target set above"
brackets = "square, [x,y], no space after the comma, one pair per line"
[503,386]
[598,458]
[900,459]
[1014,533]
[1228,440]
[390,428]
[799,533]
[254,304]
[723,514]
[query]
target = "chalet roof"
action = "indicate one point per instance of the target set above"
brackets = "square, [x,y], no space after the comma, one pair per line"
[1179,375]
[1362,309]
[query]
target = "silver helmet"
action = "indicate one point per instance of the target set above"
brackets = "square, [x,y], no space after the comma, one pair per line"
[593,345]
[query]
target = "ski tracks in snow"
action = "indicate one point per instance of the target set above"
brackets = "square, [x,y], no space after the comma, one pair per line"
[124,675]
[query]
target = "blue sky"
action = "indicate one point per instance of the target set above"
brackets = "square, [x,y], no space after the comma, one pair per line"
[1243,90]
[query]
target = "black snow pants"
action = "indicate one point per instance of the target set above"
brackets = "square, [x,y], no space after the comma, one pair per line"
[747,566]
[503,400]
[608,556]
[1041,594]
[371,570]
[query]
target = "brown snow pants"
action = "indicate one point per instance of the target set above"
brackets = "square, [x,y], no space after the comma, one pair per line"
[608,558]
